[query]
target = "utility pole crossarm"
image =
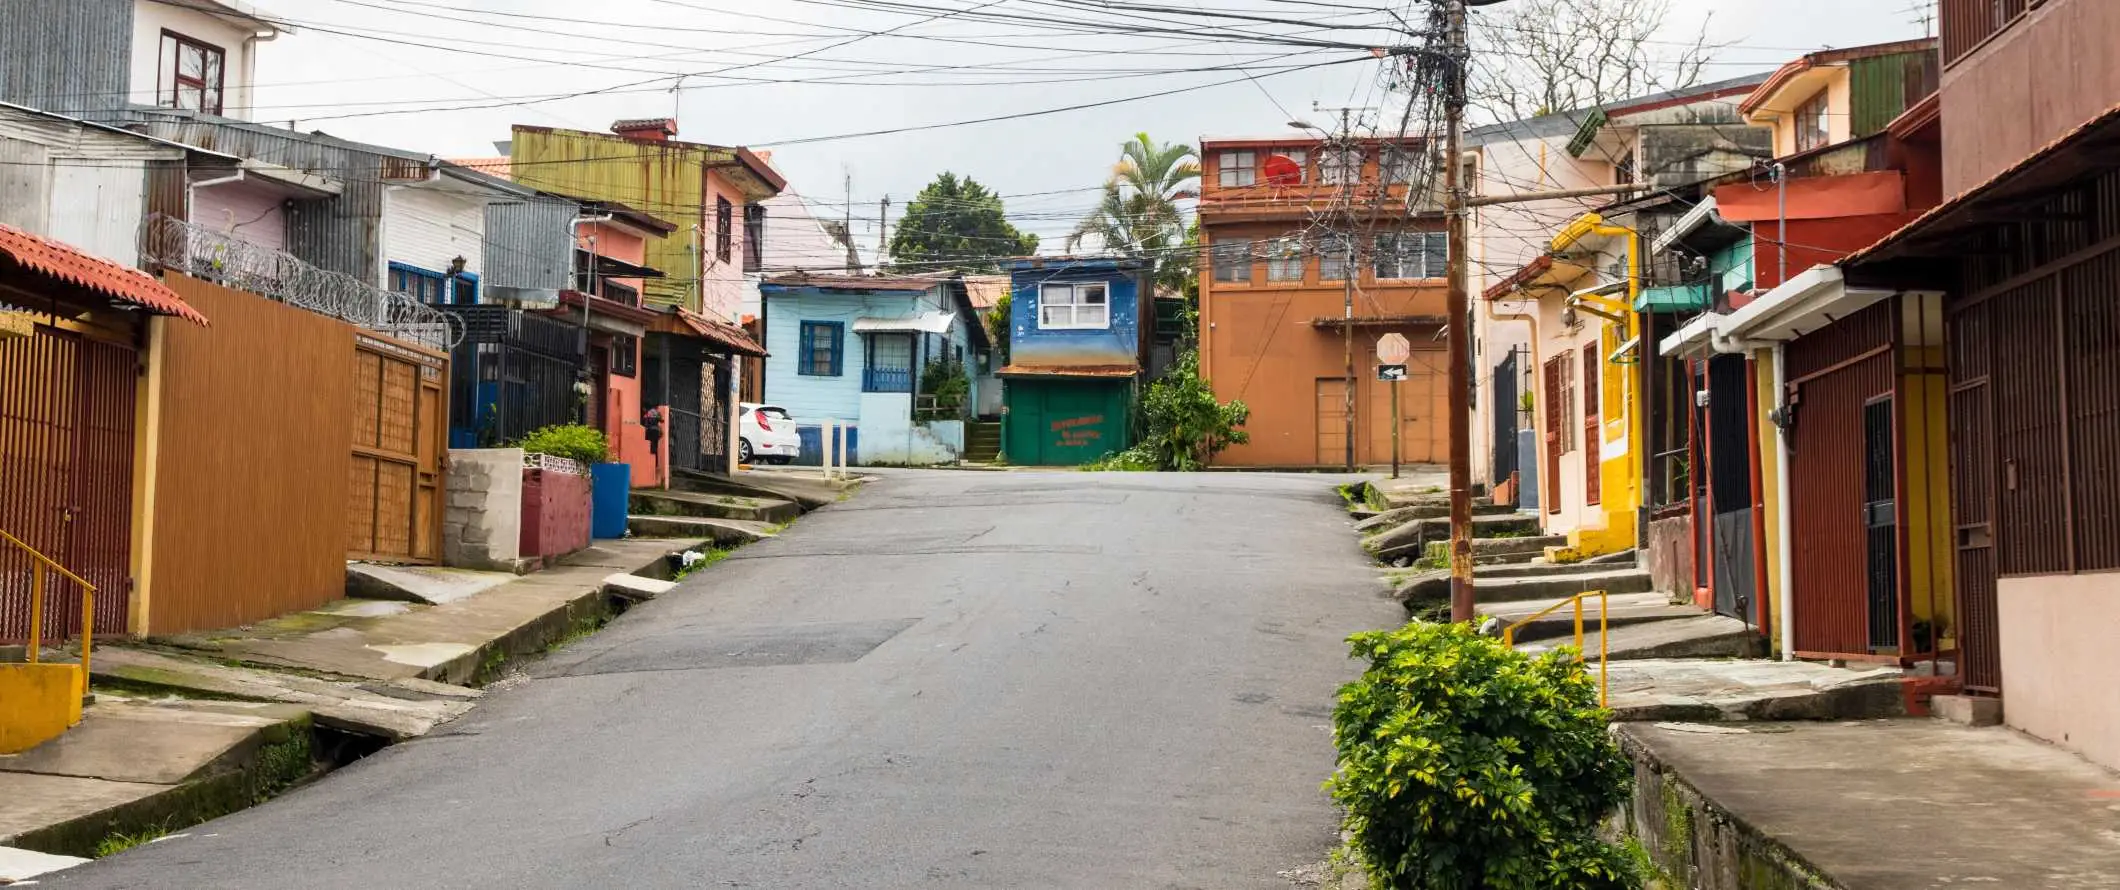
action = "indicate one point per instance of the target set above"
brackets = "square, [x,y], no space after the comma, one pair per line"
[1525,197]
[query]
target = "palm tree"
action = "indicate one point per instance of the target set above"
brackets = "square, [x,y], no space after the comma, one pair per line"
[1138,214]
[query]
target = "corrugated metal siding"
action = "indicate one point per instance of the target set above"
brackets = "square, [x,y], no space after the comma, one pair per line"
[528,243]
[430,228]
[1882,88]
[25,185]
[337,234]
[71,56]
[96,208]
[667,180]
[1829,597]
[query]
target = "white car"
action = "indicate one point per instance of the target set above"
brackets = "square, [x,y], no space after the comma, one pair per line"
[766,433]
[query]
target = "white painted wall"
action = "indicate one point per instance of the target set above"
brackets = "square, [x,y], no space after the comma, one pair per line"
[430,227]
[889,435]
[151,17]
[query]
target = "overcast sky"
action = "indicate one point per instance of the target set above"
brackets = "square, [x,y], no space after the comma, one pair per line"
[770,73]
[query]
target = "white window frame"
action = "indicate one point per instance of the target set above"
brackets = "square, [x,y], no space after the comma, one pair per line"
[1081,313]
[1301,157]
[1236,169]
[1284,255]
[1407,255]
[1340,166]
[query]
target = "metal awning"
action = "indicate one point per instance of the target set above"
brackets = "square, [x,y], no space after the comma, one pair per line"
[928,323]
[612,267]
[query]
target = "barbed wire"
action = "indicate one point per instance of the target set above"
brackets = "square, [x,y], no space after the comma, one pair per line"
[232,262]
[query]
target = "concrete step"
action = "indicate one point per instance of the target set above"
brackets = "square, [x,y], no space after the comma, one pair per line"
[807,488]
[1701,636]
[1375,520]
[1620,610]
[1411,537]
[1748,690]
[1420,593]
[722,532]
[650,502]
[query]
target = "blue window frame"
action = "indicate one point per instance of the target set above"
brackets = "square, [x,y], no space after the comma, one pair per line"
[823,350]
[434,288]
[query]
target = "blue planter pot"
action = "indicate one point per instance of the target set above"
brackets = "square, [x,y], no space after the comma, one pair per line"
[610,487]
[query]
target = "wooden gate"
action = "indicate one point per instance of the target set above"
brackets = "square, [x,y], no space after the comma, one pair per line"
[400,428]
[66,470]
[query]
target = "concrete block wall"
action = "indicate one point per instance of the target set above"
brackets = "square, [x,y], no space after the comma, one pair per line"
[482,526]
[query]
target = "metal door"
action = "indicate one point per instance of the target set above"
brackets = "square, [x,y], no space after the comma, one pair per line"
[1331,416]
[66,463]
[1729,477]
[1504,405]
[1880,524]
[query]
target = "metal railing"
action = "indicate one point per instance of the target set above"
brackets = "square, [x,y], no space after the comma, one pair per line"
[875,379]
[39,565]
[230,261]
[1604,626]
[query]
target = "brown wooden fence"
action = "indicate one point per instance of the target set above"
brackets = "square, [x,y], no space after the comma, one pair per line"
[254,422]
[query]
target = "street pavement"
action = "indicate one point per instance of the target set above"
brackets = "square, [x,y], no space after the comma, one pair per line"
[955,679]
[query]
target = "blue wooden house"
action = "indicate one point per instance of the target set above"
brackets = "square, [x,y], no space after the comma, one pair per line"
[859,351]
[1077,350]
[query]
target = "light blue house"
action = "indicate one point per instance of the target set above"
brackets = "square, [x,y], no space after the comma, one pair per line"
[1078,347]
[862,351]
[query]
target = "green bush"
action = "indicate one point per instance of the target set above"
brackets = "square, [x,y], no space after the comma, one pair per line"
[1182,424]
[572,441]
[1466,765]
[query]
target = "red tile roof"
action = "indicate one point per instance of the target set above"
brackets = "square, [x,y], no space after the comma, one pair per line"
[124,284]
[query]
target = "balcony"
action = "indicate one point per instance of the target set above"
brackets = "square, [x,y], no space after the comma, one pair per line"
[880,379]
[1969,23]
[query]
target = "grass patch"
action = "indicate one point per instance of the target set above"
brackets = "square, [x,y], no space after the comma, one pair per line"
[710,557]
[120,841]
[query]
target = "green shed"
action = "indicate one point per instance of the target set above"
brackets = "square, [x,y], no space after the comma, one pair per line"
[1066,421]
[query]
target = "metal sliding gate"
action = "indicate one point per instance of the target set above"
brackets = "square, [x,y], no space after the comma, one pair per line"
[66,467]
[514,372]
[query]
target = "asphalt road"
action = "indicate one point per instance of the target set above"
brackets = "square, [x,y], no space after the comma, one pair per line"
[955,679]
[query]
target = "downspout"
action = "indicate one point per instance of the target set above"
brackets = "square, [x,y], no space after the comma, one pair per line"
[1781,486]
[250,69]
[191,192]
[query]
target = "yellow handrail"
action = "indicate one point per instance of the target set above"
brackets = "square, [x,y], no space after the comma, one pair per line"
[38,566]
[1604,624]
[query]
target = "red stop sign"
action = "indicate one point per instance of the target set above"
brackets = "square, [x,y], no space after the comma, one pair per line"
[1392,349]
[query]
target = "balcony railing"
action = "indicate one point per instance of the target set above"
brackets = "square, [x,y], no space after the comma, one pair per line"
[874,379]
[232,262]
[1966,23]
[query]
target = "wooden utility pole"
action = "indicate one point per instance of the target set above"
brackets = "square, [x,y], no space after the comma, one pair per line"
[1460,312]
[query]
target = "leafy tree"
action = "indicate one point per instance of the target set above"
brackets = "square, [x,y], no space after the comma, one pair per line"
[956,224]
[998,325]
[1138,215]
[1467,765]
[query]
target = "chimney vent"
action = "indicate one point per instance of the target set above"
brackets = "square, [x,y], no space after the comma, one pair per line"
[654,129]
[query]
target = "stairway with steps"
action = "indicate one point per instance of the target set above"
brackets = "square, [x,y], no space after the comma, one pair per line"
[722,518]
[982,441]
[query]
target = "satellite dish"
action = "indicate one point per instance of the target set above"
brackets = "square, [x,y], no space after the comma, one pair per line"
[1283,170]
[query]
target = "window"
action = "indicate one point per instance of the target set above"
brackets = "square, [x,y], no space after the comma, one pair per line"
[1564,401]
[1812,129]
[1064,306]
[724,228]
[754,237]
[1237,168]
[1278,174]
[1590,377]
[890,363]
[823,349]
[1284,260]
[190,74]
[1232,262]
[1342,166]
[625,355]
[427,287]
[463,289]
[1332,257]
[1412,255]
[1400,165]
[620,293]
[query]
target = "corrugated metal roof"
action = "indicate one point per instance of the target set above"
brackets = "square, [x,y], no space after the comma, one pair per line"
[691,324]
[121,283]
[1069,371]
[855,282]
[985,291]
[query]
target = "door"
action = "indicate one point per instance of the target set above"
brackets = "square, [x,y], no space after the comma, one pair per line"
[394,509]
[1732,567]
[66,465]
[1880,525]
[1556,414]
[1065,422]
[600,388]
[1593,429]
[1504,407]
[1331,418]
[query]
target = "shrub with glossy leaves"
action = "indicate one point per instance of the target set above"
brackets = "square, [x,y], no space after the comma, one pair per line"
[572,441]
[1466,765]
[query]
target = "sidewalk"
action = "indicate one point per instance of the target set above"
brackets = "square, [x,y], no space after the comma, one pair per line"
[191,727]
[1870,805]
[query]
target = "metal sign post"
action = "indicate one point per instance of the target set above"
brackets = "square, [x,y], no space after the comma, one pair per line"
[1392,352]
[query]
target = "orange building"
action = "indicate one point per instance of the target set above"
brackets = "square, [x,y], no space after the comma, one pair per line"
[1285,223]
